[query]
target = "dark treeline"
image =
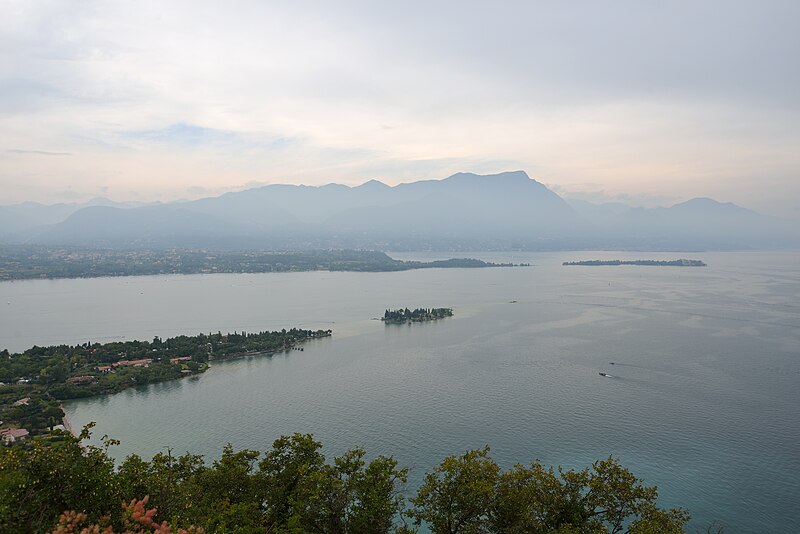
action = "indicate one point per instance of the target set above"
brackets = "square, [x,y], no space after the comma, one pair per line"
[45,375]
[404,315]
[292,488]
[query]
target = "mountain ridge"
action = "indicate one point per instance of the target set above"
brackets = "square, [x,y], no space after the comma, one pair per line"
[505,210]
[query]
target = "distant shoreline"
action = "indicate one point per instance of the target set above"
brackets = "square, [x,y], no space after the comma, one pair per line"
[644,263]
[21,262]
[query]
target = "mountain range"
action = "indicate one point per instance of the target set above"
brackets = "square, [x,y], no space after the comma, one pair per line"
[463,212]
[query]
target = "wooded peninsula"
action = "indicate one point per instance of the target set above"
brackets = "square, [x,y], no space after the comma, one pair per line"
[33,383]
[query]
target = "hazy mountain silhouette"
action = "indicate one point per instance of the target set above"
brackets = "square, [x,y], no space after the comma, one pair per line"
[21,222]
[699,223]
[150,226]
[500,211]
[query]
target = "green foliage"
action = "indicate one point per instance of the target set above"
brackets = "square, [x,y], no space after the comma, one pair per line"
[469,494]
[535,499]
[284,474]
[39,482]
[352,496]
[456,496]
[38,416]
[293,489]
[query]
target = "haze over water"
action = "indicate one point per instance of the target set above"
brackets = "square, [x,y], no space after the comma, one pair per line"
[703,399]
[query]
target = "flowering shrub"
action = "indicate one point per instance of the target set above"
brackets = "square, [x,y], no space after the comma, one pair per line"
[136,519]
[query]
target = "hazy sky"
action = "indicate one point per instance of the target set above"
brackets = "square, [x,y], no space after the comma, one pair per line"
[647,101]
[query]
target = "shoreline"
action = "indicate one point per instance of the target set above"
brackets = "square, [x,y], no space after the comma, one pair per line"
[65,420]
[228,357]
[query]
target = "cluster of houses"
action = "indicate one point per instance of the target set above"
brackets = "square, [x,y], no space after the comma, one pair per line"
[106,369]
[85,379]
[144,362]
[11,435]
[20,381]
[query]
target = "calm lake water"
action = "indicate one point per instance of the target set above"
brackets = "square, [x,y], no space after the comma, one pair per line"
[703,401]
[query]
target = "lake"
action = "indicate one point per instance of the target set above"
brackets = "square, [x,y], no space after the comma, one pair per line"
[703,400]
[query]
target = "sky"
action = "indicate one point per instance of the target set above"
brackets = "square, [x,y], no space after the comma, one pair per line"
[648,103]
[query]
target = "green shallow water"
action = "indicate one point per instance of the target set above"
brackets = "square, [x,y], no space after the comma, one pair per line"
[703,399]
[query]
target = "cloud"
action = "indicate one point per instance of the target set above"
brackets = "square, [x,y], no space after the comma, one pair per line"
[38,152]
[184,134]
[686,99]
[194,136]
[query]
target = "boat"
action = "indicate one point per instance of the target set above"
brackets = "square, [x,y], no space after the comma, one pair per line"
[606,375]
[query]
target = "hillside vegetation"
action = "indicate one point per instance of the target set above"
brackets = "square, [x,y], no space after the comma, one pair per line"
[292,488]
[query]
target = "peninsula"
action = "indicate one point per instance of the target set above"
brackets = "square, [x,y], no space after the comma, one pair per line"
[645,263]
[33,383]
[418,315]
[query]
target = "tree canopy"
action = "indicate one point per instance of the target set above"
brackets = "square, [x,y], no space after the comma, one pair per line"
[293,488]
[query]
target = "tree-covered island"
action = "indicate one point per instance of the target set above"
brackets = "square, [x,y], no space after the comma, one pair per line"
[33,383]
[646,263]
[419,315]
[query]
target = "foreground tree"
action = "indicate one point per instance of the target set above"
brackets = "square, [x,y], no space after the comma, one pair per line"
[283,475]
[352,496]
[469,494]
[39,481]
[456,496]
[293,489]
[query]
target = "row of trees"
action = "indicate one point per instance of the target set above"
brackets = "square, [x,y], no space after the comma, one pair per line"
[293,489]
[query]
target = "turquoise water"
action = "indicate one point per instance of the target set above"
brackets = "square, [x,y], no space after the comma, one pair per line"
[703,399]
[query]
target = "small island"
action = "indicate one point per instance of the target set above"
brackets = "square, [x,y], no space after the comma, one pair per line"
[419,315]
[33,383]
[646,263]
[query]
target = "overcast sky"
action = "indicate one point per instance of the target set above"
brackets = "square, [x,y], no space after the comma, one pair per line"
[648,102]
